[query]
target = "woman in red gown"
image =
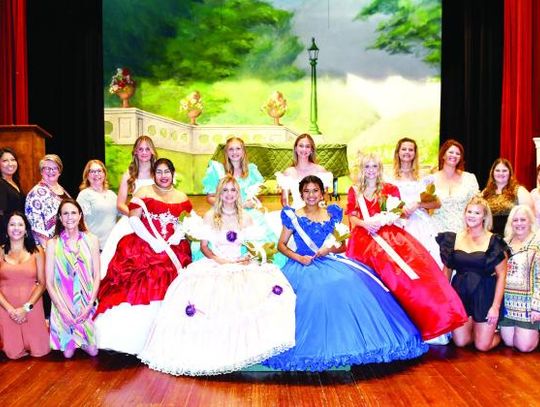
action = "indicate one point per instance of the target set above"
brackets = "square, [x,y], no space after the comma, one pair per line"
[144,265]
[404,265]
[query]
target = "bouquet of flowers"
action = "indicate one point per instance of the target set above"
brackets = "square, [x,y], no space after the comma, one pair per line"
[262,252]
[193,227]
[276,105]
[391,210]
[338,236]
[120,80]
[191,102]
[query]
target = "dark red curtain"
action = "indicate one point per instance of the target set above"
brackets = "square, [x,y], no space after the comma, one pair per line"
[521,62]
[13,63]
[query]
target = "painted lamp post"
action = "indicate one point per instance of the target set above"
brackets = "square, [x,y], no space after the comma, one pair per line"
[313,52]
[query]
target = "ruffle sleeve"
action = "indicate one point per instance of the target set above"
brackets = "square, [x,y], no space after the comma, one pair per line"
[391,189]
[335,212]
[446,241]
[254,174]
[497,251]
[352,208]
[214,173]
[285,220]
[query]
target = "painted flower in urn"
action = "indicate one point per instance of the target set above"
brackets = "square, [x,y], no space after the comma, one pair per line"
[275,107]
[122,85]
[192,105]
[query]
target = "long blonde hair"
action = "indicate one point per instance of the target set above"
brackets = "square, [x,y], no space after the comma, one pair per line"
[218,205]
[227,164]
[312,157]
[362,160]
[133,169]
[509,230]
[85,183]
[397,161]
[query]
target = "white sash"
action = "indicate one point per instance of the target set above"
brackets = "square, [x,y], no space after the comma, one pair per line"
[158,236]
[311,244]
[382,243]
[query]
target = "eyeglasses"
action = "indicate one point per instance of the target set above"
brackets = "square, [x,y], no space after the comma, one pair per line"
[50,169]
[98,171]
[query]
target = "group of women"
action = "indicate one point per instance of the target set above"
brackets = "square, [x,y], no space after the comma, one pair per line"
[184,294]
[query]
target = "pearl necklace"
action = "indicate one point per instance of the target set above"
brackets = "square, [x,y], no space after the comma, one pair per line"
[228,212]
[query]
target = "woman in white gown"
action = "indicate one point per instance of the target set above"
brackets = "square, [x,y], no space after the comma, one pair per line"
[407,178]
[225,311]
[139,174]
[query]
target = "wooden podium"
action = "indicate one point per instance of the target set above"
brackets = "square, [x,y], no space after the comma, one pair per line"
[28,142]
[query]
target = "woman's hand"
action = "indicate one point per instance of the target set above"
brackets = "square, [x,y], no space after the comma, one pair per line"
[492,315]
[249,204]
[305,260]
[408,210]
[18,315]
[324,251]
[372,226]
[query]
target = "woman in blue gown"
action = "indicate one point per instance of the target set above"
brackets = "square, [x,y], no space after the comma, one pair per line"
[344,313]
[249,178]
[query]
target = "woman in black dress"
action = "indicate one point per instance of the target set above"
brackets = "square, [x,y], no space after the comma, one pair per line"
[11,195]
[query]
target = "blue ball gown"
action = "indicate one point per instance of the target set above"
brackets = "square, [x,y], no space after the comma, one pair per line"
[344,313]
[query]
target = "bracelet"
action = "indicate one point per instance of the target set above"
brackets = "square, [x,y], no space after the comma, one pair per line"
[28,306]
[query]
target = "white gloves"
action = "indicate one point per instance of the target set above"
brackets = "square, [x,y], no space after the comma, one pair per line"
[157,245]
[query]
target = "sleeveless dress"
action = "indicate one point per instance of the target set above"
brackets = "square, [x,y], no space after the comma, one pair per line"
[11,199]
[419,224]
[344,314]
[501,205]
[427,297]
[449,217]
[475,278]
[73,283]
[248,190]
[219,318]
[121,229]
[16,283]
[137,280]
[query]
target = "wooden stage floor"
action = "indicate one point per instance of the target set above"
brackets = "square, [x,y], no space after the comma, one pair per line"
[446,376]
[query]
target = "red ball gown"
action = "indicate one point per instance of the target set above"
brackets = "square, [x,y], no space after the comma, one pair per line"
[137,280]
[430,300]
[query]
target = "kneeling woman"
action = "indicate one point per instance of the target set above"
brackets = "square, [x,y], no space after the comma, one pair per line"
[224,312]
[144,265]
[344,313]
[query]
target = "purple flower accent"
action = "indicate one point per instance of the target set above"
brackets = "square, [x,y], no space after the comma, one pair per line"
[231,236]
[190,310]
[277,289]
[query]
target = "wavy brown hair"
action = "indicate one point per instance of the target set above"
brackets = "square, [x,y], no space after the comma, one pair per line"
[444,148]
[509,190]
[397,161]
[133,169]
[59,227]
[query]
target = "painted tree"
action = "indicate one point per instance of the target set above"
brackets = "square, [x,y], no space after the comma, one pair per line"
[408,27]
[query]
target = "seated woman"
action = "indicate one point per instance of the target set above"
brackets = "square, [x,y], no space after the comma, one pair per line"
[344,314]
[503,192]
[225,311]
[479,259]
[72,268]
[144,265]
[249,178]
[403,263]
[22,283]
[520,325]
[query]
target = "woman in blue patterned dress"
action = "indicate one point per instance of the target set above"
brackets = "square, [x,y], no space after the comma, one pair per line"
[249,178]
[344,313]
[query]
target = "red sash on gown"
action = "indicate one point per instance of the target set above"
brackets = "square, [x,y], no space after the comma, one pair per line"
[430,301]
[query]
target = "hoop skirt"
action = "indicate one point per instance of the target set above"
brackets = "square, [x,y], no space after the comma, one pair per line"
[430,301]
[344,314]
[218,318]
[137,280]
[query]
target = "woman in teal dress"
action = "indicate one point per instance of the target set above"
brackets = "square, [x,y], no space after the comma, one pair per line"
[249,178]
[344,313]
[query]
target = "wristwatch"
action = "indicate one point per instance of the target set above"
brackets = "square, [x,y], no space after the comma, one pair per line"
[28,306]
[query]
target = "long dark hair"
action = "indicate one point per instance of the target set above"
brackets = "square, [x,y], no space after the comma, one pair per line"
[29,242]
[311,179]
[59,228]
[16,177]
